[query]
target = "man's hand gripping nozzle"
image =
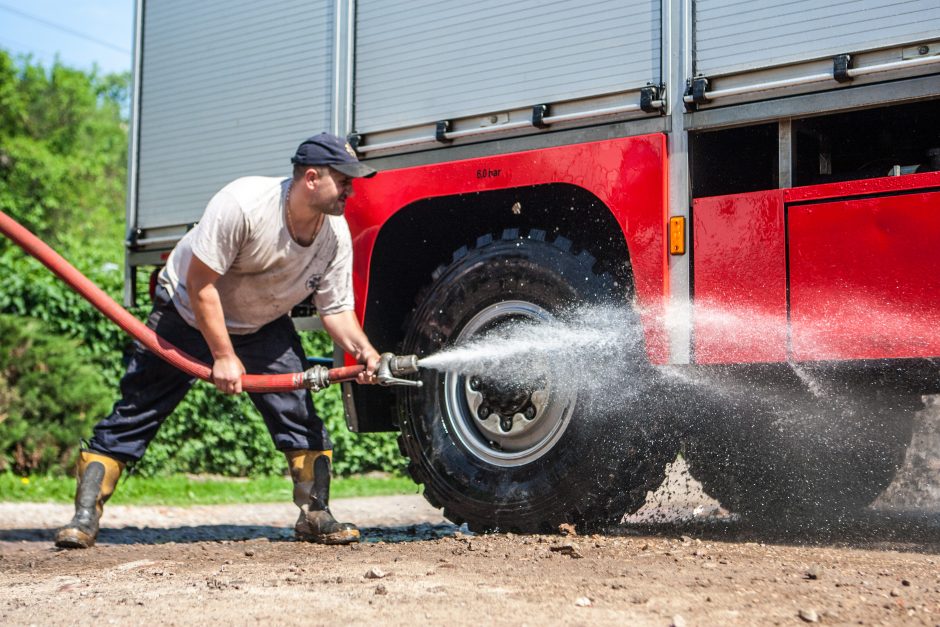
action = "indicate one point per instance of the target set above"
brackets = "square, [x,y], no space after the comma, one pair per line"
[391,367]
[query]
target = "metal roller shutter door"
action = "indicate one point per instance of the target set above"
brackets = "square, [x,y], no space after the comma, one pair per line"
[741,35]
[429,60]
[229,88]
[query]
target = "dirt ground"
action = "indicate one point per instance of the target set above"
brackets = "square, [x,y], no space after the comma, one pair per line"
[681,560]
[695,565]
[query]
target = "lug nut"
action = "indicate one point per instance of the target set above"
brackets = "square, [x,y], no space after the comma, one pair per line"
[483,412]
[529,412]
[506,424]
[475,384]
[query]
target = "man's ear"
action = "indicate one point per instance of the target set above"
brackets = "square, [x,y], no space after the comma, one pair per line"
[312,178]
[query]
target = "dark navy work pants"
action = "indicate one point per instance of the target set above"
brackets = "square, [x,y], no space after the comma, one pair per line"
[151,388]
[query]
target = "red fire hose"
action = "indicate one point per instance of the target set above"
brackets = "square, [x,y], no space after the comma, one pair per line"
[120,316]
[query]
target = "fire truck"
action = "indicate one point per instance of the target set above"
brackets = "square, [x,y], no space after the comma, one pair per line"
[775,161]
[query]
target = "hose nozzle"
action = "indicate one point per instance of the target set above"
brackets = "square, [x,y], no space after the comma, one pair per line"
[392,366]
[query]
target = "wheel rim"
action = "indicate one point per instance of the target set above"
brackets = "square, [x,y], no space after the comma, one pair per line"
[504,425]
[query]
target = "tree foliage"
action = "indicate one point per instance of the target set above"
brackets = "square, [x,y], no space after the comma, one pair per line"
[63,172]
[63,152]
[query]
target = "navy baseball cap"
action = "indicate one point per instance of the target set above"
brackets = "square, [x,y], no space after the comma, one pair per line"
[327,149]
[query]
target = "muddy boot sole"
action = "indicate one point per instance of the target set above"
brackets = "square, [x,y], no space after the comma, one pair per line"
[344,536]
[74,539]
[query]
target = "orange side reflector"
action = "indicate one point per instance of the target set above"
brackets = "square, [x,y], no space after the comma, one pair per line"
[677,235]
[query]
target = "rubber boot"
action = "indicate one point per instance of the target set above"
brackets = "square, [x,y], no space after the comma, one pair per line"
[97,475]
[310,471]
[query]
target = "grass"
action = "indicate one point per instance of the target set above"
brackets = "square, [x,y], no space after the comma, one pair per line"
[185,490]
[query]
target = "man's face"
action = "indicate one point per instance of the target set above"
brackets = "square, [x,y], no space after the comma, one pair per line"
[332,191]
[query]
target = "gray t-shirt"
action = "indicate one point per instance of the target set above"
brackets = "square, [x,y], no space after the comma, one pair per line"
[243,236]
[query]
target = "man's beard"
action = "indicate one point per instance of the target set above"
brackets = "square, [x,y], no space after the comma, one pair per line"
[336,209]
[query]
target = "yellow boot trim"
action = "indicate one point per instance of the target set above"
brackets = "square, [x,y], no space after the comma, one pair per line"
[112,472]
[301,463]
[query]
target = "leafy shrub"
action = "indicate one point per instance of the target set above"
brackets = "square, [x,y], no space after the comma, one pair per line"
[29,289]
[12,428]
[53,396]
[212,433]
[63,150]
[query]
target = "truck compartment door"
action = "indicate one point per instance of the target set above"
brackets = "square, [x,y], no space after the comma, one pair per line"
[864,277]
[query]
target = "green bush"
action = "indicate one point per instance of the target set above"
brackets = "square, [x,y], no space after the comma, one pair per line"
[212,433]
[356,452]
[29,289]
[53,395]
[63,151]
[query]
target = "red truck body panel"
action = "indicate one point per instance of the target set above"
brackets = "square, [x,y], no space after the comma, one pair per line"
[628,175]
[841,271]
[740,278]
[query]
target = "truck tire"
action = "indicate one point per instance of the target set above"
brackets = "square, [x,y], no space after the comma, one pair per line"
[570,464]
[797,456]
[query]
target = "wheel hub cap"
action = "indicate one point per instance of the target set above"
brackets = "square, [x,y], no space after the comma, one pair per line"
[503,422]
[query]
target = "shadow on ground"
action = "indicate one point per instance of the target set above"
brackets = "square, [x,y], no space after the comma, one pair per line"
[909,532]
[232,533]
[906,531]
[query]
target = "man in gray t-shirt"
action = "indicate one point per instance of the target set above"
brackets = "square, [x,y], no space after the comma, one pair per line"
[262,246]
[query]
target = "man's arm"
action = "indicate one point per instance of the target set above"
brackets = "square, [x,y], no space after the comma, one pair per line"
[227,368]
[346,331]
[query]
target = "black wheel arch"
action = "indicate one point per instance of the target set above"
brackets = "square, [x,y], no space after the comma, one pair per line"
[422,236]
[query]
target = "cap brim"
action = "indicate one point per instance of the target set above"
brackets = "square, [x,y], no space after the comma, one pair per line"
[356,170]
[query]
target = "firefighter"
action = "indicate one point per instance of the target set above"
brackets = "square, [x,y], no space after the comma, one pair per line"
[263,245]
